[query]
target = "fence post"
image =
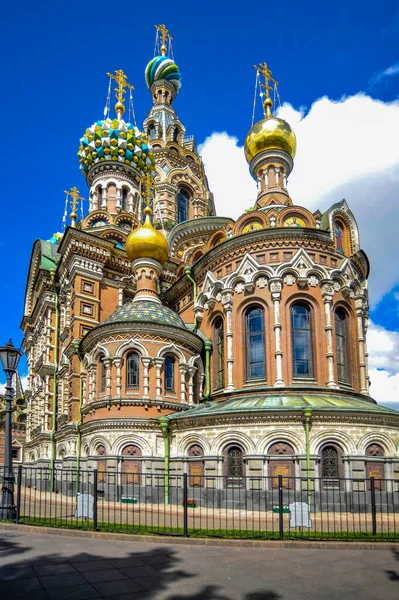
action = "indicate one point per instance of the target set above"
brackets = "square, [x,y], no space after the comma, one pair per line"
[373,506]
[19,485]
[185,507]
[280,507]
[95,486]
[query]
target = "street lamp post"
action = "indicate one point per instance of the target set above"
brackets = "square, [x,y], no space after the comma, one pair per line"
[9,356]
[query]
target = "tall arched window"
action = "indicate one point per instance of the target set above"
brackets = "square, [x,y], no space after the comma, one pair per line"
[182,206]
[169,374]
[219,356]
[255,340]
[302,352]
[103,374]
[125,192]
[331,466]
[342,345]
[132,370]
[176,135]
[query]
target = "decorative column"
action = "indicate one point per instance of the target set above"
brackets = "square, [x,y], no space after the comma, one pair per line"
[158,376]
[266,174]
[361,340]
[366,354]
[275,289]
[183,370]
[108,365]
[191,373]
[285,180]
[83,378]
[277,171]
[227,303]
[327,293]
[92,383]
[146,360]
[120,296]
[118,362]
[118,202]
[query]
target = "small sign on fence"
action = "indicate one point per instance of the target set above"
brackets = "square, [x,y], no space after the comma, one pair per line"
[84,506]
[300,515]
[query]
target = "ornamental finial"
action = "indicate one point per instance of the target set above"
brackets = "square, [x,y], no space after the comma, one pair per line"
[121,80]
[147,181]
[165,36]
[74,197]
[264,70]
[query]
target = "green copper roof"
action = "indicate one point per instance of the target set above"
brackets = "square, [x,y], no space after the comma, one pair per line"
[50,256]
[145,311]
[283,401]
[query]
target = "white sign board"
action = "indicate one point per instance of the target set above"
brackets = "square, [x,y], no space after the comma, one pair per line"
[84,505]
[300,515]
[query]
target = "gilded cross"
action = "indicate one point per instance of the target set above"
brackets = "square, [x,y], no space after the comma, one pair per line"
[121,79]
[74,198]
[147,181]
[264,70]
[164,33]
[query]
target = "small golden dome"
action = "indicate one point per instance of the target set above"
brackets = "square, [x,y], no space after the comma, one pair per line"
[270,133]
[147,242]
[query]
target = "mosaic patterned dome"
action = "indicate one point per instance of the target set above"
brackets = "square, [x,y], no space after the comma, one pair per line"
[145,311]
[162,67]
[113,139]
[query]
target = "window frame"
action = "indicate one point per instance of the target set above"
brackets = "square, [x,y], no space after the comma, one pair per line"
[310,341]
[184,193]
[169,360]
[219,359]
[132,386]
[248,336]
[343,348]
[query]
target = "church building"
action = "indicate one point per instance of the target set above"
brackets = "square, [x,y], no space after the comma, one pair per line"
[161,337]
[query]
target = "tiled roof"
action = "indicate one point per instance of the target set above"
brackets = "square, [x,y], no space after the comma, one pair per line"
[145,311]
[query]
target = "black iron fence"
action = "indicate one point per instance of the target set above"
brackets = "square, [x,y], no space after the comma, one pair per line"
[215,506]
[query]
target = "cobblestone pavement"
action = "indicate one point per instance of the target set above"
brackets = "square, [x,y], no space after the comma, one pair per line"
[34,566]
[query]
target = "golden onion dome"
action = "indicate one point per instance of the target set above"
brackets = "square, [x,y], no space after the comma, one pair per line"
[147,242]
[269,133]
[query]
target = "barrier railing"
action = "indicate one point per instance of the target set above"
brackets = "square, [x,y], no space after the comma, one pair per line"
[215,506]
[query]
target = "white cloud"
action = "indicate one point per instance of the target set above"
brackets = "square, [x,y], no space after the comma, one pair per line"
[346,149]
[24,381]
[392,70]
[385,388]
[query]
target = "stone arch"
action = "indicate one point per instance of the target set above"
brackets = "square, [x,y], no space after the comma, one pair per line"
[97,441]
[230,438]
[281,435]
[333,437]
[246,218]
[133,345]
[216,238]
[61,452]
[189,440]
[131,440]
[98,351]
[174,350]
[377,437]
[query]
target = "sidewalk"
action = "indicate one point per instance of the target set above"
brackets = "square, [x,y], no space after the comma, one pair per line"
[34,566]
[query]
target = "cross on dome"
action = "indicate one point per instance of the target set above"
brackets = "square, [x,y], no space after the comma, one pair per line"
[121,79]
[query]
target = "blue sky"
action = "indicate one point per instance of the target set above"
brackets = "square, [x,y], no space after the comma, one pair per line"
[55,56]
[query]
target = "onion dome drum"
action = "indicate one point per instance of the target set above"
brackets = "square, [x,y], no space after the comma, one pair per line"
[114,139]
[270,134]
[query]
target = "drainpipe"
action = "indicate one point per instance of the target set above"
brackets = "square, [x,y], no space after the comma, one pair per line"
[208,349]
[78,424]
[54,417]
[188,273]
[164,422]
[307,413]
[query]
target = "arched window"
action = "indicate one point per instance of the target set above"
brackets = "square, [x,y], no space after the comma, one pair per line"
[125,192]
[103,374]
[342,345]
[331,466]
[132,370]
[219,355]
[255,340]
[176,135]
[99,195]
[234,466]
[169,374]
[131,469]
[302,352]
[281,464]
[375,466]
[152,132]
[182,206]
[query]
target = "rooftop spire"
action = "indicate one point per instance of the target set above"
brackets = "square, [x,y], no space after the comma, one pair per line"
[264,70]
[163,33]
[121,80]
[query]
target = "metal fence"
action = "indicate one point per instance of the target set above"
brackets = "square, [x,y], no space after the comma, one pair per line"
[214,506]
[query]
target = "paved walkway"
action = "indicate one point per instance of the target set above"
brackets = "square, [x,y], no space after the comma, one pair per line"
[34,566]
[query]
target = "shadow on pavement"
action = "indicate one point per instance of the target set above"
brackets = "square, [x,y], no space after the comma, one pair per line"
[394,575]
[138,575]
